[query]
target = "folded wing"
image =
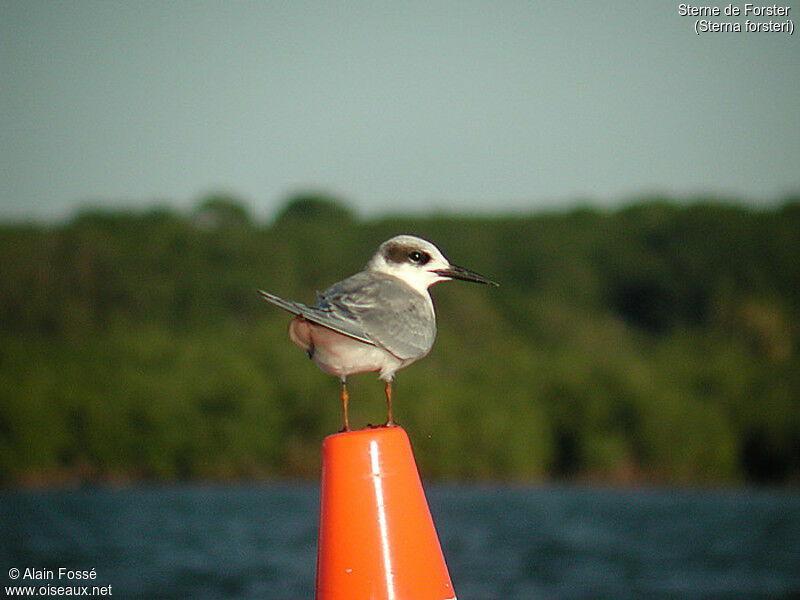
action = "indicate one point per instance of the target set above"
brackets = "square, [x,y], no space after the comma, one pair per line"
[332,319]
[373,308]
[390,313]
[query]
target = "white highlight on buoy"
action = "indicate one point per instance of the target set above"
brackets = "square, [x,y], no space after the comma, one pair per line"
[378,483]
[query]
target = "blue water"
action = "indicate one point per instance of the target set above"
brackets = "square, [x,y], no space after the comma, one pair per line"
[259,541]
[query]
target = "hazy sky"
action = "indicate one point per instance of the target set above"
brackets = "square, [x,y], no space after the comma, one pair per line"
[418,106]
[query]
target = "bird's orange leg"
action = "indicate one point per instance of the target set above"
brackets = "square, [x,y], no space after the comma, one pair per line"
[388,389]
[345,400]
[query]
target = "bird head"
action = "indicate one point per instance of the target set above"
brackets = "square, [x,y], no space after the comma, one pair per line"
[419,263]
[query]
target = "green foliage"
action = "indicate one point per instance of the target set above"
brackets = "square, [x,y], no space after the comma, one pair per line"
[221,211]
[655,343]
[313,209]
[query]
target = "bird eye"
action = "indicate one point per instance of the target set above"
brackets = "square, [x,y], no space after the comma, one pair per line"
[419,258]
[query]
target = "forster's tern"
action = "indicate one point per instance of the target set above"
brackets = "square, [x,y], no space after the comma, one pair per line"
[380,319]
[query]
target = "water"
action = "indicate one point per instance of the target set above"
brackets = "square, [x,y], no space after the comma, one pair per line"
[259,541]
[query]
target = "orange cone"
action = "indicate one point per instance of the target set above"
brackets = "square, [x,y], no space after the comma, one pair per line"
[376,535]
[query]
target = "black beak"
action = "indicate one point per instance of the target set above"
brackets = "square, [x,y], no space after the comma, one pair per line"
[455,272]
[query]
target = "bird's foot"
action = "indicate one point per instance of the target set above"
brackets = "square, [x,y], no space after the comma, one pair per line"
[388,423]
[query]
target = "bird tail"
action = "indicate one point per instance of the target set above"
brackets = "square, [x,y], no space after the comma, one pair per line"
[296,308]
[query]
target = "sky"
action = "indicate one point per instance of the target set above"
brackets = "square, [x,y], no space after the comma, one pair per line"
[418,107]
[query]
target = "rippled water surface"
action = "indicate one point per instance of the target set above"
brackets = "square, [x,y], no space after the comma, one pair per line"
[259,541]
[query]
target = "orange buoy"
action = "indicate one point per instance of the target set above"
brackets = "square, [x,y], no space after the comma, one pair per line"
[376,536]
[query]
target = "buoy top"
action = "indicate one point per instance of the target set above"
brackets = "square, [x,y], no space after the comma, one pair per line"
[377,539]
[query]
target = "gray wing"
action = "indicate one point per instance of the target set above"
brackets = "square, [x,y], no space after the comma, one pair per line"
[332,317]
[390,313]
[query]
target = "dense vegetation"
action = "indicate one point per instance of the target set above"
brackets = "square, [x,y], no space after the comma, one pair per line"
[658,342]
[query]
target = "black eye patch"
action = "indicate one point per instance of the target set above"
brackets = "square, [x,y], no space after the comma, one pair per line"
[399,253]
[418,258]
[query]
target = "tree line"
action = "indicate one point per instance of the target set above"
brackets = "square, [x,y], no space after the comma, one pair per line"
[657,342]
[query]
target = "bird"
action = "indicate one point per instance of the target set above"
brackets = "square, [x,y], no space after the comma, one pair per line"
[380,319]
